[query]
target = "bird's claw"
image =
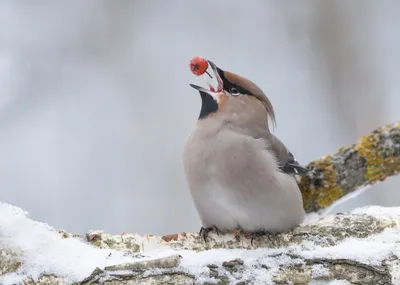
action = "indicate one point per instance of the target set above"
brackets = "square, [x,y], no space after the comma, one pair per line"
[204,232]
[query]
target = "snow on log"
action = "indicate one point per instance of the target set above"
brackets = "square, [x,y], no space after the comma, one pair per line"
[361,247]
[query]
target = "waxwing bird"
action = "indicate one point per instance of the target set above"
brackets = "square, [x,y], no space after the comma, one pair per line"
[240,175]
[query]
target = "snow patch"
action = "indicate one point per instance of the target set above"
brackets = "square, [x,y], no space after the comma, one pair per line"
[319,270]
[45,251]
[334,282]
[371,250]
[311,218]
[345,198]
[378,211]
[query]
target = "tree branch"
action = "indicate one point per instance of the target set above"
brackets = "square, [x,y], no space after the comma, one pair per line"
[373,158]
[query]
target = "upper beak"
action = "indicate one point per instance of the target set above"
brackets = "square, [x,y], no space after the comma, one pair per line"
[212,91]
[219,80]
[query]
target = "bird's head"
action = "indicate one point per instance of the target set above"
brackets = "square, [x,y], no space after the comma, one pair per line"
[232,94]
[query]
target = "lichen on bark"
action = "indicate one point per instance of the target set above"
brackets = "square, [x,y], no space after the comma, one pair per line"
[373,158]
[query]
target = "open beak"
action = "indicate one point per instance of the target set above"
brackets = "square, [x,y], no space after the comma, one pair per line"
[211,89]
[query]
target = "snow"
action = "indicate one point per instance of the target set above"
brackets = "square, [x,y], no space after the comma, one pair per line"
[196,262]
[369,251]
[378,211]
[319,270]
[46,251]
[316,216]
[311,218]
[334,282]
[345,198]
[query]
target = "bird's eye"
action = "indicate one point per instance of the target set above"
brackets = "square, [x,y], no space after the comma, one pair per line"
[234,91]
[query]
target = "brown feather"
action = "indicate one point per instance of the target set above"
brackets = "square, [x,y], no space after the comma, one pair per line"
[254,90]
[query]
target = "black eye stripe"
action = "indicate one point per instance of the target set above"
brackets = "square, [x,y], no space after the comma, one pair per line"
[228,85]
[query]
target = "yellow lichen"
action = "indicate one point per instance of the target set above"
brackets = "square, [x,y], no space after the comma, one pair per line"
[329,197]
[382,160]
[96,243]
[379,164]
[324,194]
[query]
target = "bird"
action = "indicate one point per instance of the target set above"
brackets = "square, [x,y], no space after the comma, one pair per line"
[240,175]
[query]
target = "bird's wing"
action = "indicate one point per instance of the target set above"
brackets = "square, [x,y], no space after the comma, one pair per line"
[286,160]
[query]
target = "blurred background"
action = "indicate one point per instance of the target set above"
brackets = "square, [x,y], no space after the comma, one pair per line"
[95,103]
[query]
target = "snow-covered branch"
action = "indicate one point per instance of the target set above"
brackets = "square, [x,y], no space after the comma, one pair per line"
[360,247]
[373,158]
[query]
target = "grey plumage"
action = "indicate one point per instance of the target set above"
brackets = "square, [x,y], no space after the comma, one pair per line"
[239,174]
[285,159]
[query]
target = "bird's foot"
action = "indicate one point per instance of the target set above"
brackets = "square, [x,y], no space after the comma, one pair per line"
[204,232]
[255,235]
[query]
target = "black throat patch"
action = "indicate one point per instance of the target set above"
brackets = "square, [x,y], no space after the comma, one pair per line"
[208,105]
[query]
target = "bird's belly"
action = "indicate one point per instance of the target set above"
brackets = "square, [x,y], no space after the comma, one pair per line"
[230,208]
[223,208]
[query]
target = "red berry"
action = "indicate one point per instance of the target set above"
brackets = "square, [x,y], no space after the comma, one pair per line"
[198,65]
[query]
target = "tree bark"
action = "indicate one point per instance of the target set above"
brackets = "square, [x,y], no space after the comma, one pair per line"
[373,158]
